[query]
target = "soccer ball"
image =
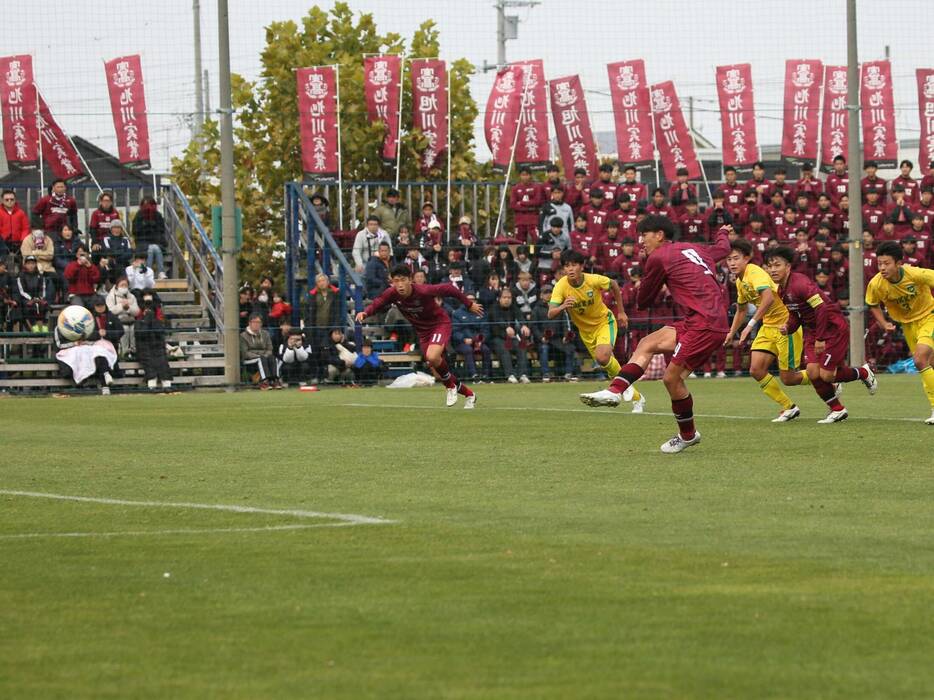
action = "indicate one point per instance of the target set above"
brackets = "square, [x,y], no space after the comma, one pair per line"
[75,323]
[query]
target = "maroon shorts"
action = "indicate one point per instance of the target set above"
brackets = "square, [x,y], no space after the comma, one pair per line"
[439,335]
[694,346]
[527,233]
[835,350]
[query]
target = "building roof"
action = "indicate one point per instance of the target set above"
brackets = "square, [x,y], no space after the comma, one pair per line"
[106,168]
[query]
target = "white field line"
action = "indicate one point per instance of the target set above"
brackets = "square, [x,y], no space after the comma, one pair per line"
[190,531]
[597,411]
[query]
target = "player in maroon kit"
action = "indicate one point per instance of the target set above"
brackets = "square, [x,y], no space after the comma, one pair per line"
[826,333]
[419,305]
[688,271]
[525,200]
[838,182]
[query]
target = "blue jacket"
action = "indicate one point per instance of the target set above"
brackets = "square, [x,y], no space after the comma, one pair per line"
[376,277]
[465,325]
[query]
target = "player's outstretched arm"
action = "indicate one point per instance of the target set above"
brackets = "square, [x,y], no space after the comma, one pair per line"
[881,319]
[555,310]
[653,279]
[738,319]
[767,297]
[721,244]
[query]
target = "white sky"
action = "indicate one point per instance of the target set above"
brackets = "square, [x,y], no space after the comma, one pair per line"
[682,41]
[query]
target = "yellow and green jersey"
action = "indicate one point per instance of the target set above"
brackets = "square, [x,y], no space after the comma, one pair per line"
[749,290]
[907,300]
[589,311]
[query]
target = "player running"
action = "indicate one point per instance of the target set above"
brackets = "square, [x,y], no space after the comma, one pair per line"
[579,294]
[419,305]
[826,333]
[754,286]
[688,271]
[905,291]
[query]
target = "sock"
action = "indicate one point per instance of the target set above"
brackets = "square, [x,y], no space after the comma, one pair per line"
[850,374]
[805,379]
[612,367]
[684,414]
[464,390]
[445,375]
[826,392]
[628,374]
[772,389]
[927,379]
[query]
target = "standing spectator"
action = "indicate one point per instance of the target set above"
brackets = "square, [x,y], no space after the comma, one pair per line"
[149,234]
[367,241]
[732,192]
[510,338]
[872,182]
[246,305]
[150,342]
[82,277]
[376,275]
[898,212]
[659,206]
[758,182]
[32,293]
[14,224]
[692,224]
[294,354]
[55,210]
[554,239]
[784,188]
[101,220]
[873,213]
[66,250]
[825,212]
[6,297]
[280,310]
[637,191]
[604,183]
[427,220]
[322,312]
[681,191]
[392,213]
[525,200]
[808,184]
[467,239]
[505,266]
[552,180]
[124,306]
[322,208]
[257,355]
[838,182]
[468,336]
[596,214]
[908,183]
[718,214]
[551,336]
[139,276]
[42,247]
[576,192]
[367,367]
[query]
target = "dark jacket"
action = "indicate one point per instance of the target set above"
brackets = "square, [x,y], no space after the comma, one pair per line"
[545,329]
[465,325]
[64,253]
[148,231]
[500,318]
[316,329]
[376,277]
[111,324]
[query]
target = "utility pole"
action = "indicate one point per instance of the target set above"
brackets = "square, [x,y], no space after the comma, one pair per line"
[507,28]
[857,306]
[228,206]
[207,92]
[198,121]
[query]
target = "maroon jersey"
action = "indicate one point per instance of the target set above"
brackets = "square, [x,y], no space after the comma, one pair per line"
[900,215]
[679,197]
[927,181]
[574,198]
[805,259]
[760,243]
[597,218]
[810,307]
[627,223]
[927,212]
[624,264]
[807,219]
[837,186]
[689,270]
[54,212]
[810,186]
[774,217]
[787,189]
[693,227]
[785,231]
[607,252]
[421,307]
[762,187]
[873,217]
[840,274]
[733,197]
[525,201]
[876,184]
[637,191]
[99,227]
[870,267]
[663,210]
[584,242]
[606,186]
[912,190]
[830,216]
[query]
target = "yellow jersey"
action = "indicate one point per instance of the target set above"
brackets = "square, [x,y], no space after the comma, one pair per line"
[907,300]
[749,290]
[589,311]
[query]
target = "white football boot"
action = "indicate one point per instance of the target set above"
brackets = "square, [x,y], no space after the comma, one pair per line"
[450,397]
[835,417]
[604,397]
[788,415]
[870,382]
[678,444]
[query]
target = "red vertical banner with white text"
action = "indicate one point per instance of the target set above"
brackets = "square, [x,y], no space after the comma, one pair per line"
[503,115]
[926,116]
[632,113]
[430,107]
[737,116]
[57,150]
[128,105]
[801,118]
[317,119]
[18,105]
[834,136]
[572,125]
[675,143]
[532,147]
[382,83]
[877,102]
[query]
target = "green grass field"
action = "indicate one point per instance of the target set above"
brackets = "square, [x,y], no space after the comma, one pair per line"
[538,548]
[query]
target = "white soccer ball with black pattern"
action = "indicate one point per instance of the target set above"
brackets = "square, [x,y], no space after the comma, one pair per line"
[75,323]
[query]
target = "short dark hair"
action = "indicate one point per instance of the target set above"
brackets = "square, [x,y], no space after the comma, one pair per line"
[741,245]
[8,191]
[55,182]
[759,164]
[657,222]
[891,248]
[606,168]
[572,256]
[400,270]
[254,316]
[525,170]
[906,162]
[372,217]
[556,222]
[729,169]
[384,244]
[839,159]
[783,252]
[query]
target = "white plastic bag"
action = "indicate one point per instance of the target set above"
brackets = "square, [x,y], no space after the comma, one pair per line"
[412,379]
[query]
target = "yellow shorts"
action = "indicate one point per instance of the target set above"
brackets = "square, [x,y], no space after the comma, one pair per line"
[786,348]
[920,331]
[604,334]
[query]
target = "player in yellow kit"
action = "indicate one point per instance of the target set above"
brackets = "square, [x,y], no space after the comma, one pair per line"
[906,293]
[755,286]
[579,294]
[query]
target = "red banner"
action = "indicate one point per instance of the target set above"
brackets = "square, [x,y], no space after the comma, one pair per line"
[57,149]
[128,105]
[834,119]
[674,141]
[382,91]
[317,119]
[572,125]
[632,113]
[926,115]
[877,102]
[430,107]
[532,148]
[503,114]
[801,125]
[738,120]
[18,104]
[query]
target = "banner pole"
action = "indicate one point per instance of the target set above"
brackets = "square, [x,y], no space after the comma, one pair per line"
[39,139]
[655,152]
[703,171]
[512,156]
[340,169]
[399,126]
[448,195]
[71,141]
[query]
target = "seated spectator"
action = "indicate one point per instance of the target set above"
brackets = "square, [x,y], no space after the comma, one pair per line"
[6,295]
[102,220]
[322,208]
[427,219]
[525,293]
[82,277]
[523,262]
[404,241]
[367,368]
[468,337]
[149,234]
[376,271]
[42,248]
[31,295]
[138,275]
[262,299]
[553,240]
[150,342]
[510,337]
[456,277]
[466,238]
[490,291]
[84,361]
[124,306]
[66,251]
[366,243]
[106,325]
[14,224]
[117,249]
[280,310]
[551,336]
[340,355]
[294,355]
[256,353]
[55,210]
